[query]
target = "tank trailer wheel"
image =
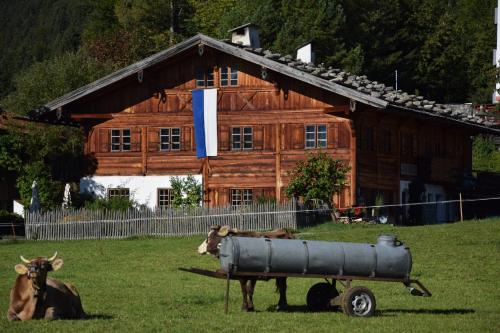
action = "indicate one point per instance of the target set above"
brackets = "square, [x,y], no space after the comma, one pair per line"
[319,296]
[359,302]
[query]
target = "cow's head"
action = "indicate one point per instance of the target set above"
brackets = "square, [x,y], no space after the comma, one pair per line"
[37,269]
[212,243]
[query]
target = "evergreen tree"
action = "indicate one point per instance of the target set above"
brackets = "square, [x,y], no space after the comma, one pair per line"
[44,81]
[36,30]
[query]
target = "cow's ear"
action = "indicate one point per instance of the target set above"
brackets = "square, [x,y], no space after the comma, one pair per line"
[21,269]
[57,264]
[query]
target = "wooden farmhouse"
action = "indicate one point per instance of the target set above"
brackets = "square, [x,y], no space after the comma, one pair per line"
[272,111]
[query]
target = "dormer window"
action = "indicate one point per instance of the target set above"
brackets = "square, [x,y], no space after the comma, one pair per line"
[204,77]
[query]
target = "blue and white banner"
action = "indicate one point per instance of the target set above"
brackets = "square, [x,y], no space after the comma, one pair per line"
[205,122]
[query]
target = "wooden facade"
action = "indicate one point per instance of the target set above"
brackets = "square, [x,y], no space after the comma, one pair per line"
[277,110]
[394,148]
[274,102]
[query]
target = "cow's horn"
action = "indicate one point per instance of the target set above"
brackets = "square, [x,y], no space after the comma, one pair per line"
[53,257]
[26,261]
[223,231]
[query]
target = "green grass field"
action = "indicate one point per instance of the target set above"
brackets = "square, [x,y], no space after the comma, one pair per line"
[134,286]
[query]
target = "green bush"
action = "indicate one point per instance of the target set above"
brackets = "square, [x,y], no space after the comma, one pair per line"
[186,192]
[485,157]
[8,217]
[114,203]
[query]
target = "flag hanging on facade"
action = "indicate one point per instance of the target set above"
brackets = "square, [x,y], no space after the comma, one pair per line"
[205,122]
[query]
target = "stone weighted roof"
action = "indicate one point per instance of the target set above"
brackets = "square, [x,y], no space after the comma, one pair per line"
[375,89]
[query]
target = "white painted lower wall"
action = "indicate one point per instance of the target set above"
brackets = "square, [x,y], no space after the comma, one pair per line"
[18,208]
[435,213]
[143,189]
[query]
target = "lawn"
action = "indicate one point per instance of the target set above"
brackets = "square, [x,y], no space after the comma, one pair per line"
[133,285]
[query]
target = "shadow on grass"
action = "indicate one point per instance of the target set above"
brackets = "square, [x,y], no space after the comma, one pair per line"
[91,316]
[289,308]
[426,311]
[385,312]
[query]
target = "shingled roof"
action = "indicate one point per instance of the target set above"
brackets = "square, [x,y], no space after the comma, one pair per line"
[356,87]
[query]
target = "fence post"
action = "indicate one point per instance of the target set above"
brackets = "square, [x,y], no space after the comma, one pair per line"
[461,208]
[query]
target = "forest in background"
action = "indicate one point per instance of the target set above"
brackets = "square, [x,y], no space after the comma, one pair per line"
[442,49]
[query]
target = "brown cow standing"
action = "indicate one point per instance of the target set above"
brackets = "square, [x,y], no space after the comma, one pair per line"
[212,244]
[34,296]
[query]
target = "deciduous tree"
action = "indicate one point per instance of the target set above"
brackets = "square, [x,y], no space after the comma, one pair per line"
[318,177]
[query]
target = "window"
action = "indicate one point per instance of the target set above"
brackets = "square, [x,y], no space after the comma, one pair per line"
[439,146]
[407,144]
[204,77]
[120,139]
[316,136]
[367,139]
[385,141]
[240,197]
[241,138]
[170,139]
[229,76]
[120,192]
[200,77]
[165,197]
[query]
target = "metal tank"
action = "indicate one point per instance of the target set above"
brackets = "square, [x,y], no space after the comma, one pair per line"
[389,258]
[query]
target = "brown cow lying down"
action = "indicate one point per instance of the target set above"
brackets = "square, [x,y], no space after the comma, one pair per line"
[35,296]
[212,244]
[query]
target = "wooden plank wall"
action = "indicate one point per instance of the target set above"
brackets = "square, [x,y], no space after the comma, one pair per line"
[277,109]
[440,153]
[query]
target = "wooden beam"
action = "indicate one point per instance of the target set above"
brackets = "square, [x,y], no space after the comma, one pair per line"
[337,109]
[352,129]
[144,149]
[278,162]
[77,116]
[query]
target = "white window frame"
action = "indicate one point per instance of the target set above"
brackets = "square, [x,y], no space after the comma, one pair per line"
[118,192]
[169,139]
[244,138]
[229,76]
[316,136]
[241,197]
[164,198]
[122,142]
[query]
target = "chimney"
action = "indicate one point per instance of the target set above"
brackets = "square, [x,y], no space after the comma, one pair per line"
[305,53]
[246,35]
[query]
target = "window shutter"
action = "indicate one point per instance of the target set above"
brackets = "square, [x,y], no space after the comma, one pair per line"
[344,139]
[258,137]
[153,139]
[223,196]
[257,193]
[186,138]
[103,140]
[269,192]
[270,137]
[135,139]
[332,133]
[298,136]
[223,138]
